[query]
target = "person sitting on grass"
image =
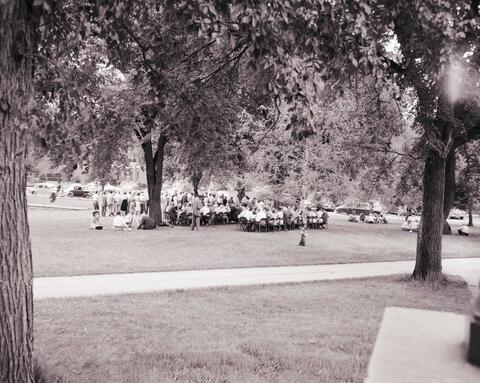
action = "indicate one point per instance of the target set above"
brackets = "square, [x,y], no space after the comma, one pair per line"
[352,218]
[146,223]
[129,220]
[95,224]
[381,218]
[118,222]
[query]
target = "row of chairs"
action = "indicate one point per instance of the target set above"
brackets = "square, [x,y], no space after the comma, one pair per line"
[211,219]
[277,224]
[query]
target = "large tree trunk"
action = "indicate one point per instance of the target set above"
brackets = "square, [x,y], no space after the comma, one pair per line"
[470,217]
[196,178]
[450,187]
[156,201]
[154,170]
[428,265]
[16,93]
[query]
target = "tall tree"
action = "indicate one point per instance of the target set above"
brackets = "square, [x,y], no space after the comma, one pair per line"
[340,39]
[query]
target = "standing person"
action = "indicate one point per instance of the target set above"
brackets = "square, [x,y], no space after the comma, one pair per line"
[117,202]
[143,201]
[196,212]
[95,201]
[102,203]
[124,204]
[137,204]
[109,199]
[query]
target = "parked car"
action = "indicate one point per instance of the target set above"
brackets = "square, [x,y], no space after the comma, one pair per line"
[457,214]
[354,208]
[44,188]
[328,205]
[79,191]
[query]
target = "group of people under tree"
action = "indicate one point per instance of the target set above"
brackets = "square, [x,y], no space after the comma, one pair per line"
[252,214]
[110,203]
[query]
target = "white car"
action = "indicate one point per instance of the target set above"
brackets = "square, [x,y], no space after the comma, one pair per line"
[45,188]
[456,214]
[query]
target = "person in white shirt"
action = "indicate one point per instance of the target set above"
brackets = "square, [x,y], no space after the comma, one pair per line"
[205,210]
[110,203]
[118,222]
[95,224]
[129,218]
[280,216]
[95,201]
[260,215]
[117,198]
[246,213]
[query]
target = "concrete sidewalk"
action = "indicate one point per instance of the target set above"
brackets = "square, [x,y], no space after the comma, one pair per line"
[55,206]
[108,284]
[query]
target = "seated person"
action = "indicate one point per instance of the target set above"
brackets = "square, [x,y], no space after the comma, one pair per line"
[353,218]
[205,210]
[225,209]
[411,224]
[204,213]
[261,216]
[381,218]
[95,224]
[118,222]
[370,218]
[246,213]
[146,223]
[280,216]
[188,209]
[129,220]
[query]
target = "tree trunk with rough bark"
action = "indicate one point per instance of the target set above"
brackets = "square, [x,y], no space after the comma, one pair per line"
[16,95]
[154,170]
[470,217]
[428,265]
[196,178]
[450,187]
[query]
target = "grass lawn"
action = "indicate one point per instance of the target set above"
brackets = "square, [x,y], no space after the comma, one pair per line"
[63,245]
[61,201]
[312,332]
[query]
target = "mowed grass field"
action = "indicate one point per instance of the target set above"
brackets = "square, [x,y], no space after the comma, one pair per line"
[64,245]
[311,332]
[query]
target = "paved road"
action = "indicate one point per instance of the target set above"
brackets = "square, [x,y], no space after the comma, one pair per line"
[108,284]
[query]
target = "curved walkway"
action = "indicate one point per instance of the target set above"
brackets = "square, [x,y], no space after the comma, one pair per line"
[108,284]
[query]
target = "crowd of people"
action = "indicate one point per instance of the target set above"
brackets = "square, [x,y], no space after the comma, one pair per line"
[124,221]
[371,217]
[109,203]
[251,214]
[128,209]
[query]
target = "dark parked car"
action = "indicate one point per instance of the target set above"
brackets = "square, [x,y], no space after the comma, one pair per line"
[354,208]
[78,191]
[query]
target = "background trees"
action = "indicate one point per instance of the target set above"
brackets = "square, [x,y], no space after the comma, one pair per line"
[340,40]
[181,86]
